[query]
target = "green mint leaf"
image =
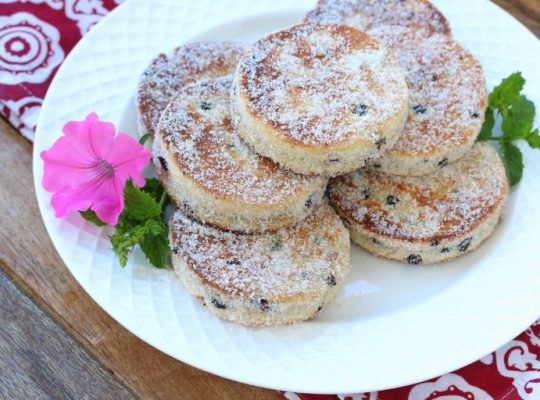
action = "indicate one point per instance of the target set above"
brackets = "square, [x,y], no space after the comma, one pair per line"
[144,138]
[145,234]
[139,205]
[141,223]
[91,216]
[534,139]
[153,188]
[507,92]
[155,245]
[519,120]
[517,114]
[125,223]
[513,162]
[124,241]
[156,227]
[487,128]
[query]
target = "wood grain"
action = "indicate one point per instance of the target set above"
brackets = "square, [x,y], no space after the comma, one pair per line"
[40,361]
[527,11]
[28,257]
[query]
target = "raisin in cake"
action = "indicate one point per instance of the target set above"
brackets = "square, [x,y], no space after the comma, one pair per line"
[276,278]
[448,97]
[320,99]
[167,74]
[210,173]
[424,219]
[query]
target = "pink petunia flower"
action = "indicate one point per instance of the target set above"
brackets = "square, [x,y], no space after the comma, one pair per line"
[88,168]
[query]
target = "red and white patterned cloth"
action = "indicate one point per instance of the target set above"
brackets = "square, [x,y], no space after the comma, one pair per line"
[36,36]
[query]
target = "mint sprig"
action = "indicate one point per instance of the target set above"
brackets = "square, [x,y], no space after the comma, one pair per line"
[517,113]
[141,223]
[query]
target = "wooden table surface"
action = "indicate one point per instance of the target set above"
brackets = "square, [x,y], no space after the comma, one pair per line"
[55,342]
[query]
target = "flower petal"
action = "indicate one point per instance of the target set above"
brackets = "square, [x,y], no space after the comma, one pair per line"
[91,138]
[70,161]
[65,201]
[76,168]
[104,196]
[109,201]
[129,159]
[64,167]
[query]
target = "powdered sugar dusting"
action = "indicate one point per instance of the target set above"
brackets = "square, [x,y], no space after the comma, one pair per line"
[450,202]
[197,130]
[366,14]
[298,261]
[447,90]
[322,84]
[167,74]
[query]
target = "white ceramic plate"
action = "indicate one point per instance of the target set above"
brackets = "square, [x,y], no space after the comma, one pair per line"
[394,324]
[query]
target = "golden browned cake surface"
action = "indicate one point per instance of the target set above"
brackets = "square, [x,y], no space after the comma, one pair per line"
[207,169]
[367,14]
[167,74]
[278,277]
[323,93]
[447,100]
[434,217]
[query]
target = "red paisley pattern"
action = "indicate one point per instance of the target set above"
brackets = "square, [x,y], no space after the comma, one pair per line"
[30,49]
[35,36]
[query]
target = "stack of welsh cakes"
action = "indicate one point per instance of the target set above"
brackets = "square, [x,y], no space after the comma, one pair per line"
[361,119]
